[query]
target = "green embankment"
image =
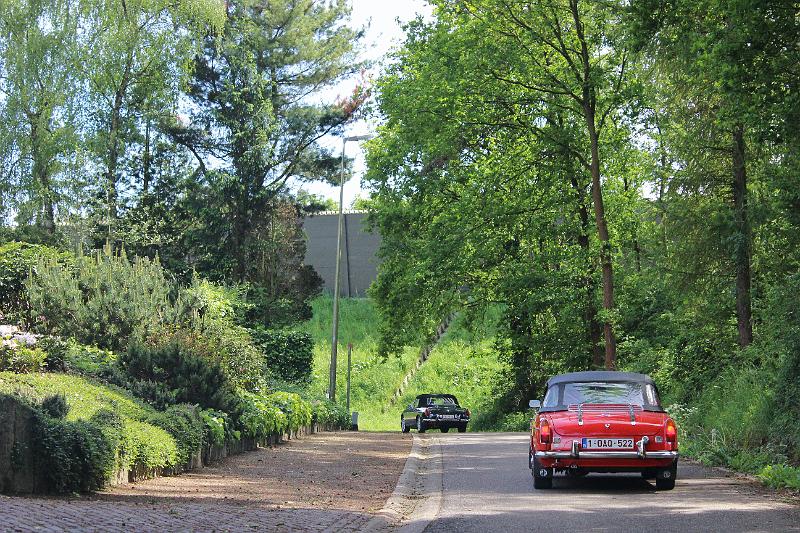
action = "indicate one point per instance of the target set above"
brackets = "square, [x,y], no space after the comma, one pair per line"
[463,363]
[147,444]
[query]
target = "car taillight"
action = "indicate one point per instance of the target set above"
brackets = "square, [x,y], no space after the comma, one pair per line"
[671,431]
[427,412]
[545,434]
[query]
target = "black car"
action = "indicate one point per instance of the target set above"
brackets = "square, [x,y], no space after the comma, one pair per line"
[434,411]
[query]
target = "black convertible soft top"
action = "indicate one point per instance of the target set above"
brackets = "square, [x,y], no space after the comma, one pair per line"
[426,396]
[600,375]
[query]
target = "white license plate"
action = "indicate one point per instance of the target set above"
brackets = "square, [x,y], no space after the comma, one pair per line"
[448,417]
[610,443]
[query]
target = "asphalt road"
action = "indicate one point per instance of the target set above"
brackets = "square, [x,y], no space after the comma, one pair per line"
[486,486]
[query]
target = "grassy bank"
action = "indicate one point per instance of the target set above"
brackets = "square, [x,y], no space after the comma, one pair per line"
[463,363]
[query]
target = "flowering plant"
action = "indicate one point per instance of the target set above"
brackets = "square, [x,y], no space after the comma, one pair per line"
[18,350]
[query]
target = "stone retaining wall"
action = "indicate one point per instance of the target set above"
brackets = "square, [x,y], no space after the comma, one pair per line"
[17,462]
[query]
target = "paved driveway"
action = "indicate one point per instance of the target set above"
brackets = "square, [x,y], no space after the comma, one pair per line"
[487,487]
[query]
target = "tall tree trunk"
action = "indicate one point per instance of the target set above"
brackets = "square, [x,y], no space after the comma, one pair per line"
[240,233]
[146,170]
[41,173]
[593,326]
[112,155]
[743,243]
[589,101]
[605,247]
[112,158]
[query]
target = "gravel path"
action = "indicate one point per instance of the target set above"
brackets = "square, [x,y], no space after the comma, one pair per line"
[324,482]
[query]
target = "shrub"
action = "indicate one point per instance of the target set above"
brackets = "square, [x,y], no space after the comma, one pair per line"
[74,456]
[89,360]
[330,413]
[55,406]
[277,413]
[56,350]
[184,423]
[105,300]
[17,261]
[230,347]
[19,351]
[289,354]
[217,428]
[105,429]
[22,359]
[780,476]
[259,417]
[297,410]
[172,373]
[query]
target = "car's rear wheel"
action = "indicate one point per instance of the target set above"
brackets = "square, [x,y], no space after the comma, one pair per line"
[403,427]
[421,425]
[444,430]
[462,428]
[542,477]
[665,479]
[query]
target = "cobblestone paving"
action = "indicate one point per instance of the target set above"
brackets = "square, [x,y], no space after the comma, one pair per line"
[324,482]
[47,515]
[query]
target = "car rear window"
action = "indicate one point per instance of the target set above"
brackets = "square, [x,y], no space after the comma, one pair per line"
[565,394]
[441,401]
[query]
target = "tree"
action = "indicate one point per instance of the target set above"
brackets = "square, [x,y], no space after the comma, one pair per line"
[37,56]
[253,89]
[731,59]
[136,54]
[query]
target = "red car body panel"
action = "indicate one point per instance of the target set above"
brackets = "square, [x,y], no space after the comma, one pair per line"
[578,429]
[605,422]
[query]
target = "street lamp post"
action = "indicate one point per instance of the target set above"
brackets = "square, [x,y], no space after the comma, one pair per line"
[335,336]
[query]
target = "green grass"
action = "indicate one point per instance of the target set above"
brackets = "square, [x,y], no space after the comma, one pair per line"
[464,364]
[147,445]
[84,396]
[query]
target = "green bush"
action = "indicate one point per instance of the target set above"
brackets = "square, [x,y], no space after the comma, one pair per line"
[173,373]
[185,424]
[72,456]
[259,417]
[781,476]
[17,261]
[297,410]
[288,354]
[217,428]
[277,413]
[22,359]
[330,413]
[105,429]
[56,350]
[89,360]
[104,301]
[232,348]
[55,406]
[782,331]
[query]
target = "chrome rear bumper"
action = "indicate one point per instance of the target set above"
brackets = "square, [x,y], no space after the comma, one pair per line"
[607,455]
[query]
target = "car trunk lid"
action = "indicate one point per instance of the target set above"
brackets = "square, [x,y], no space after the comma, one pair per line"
[610,420]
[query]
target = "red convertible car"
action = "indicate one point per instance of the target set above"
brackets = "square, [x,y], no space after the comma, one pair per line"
[602,422]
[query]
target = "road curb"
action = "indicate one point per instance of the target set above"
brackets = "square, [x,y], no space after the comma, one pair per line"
[418,491]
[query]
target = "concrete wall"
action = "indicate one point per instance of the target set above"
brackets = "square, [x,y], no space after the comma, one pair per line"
[359,251]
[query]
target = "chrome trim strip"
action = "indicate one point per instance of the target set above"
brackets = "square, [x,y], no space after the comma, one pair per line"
[607,455]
